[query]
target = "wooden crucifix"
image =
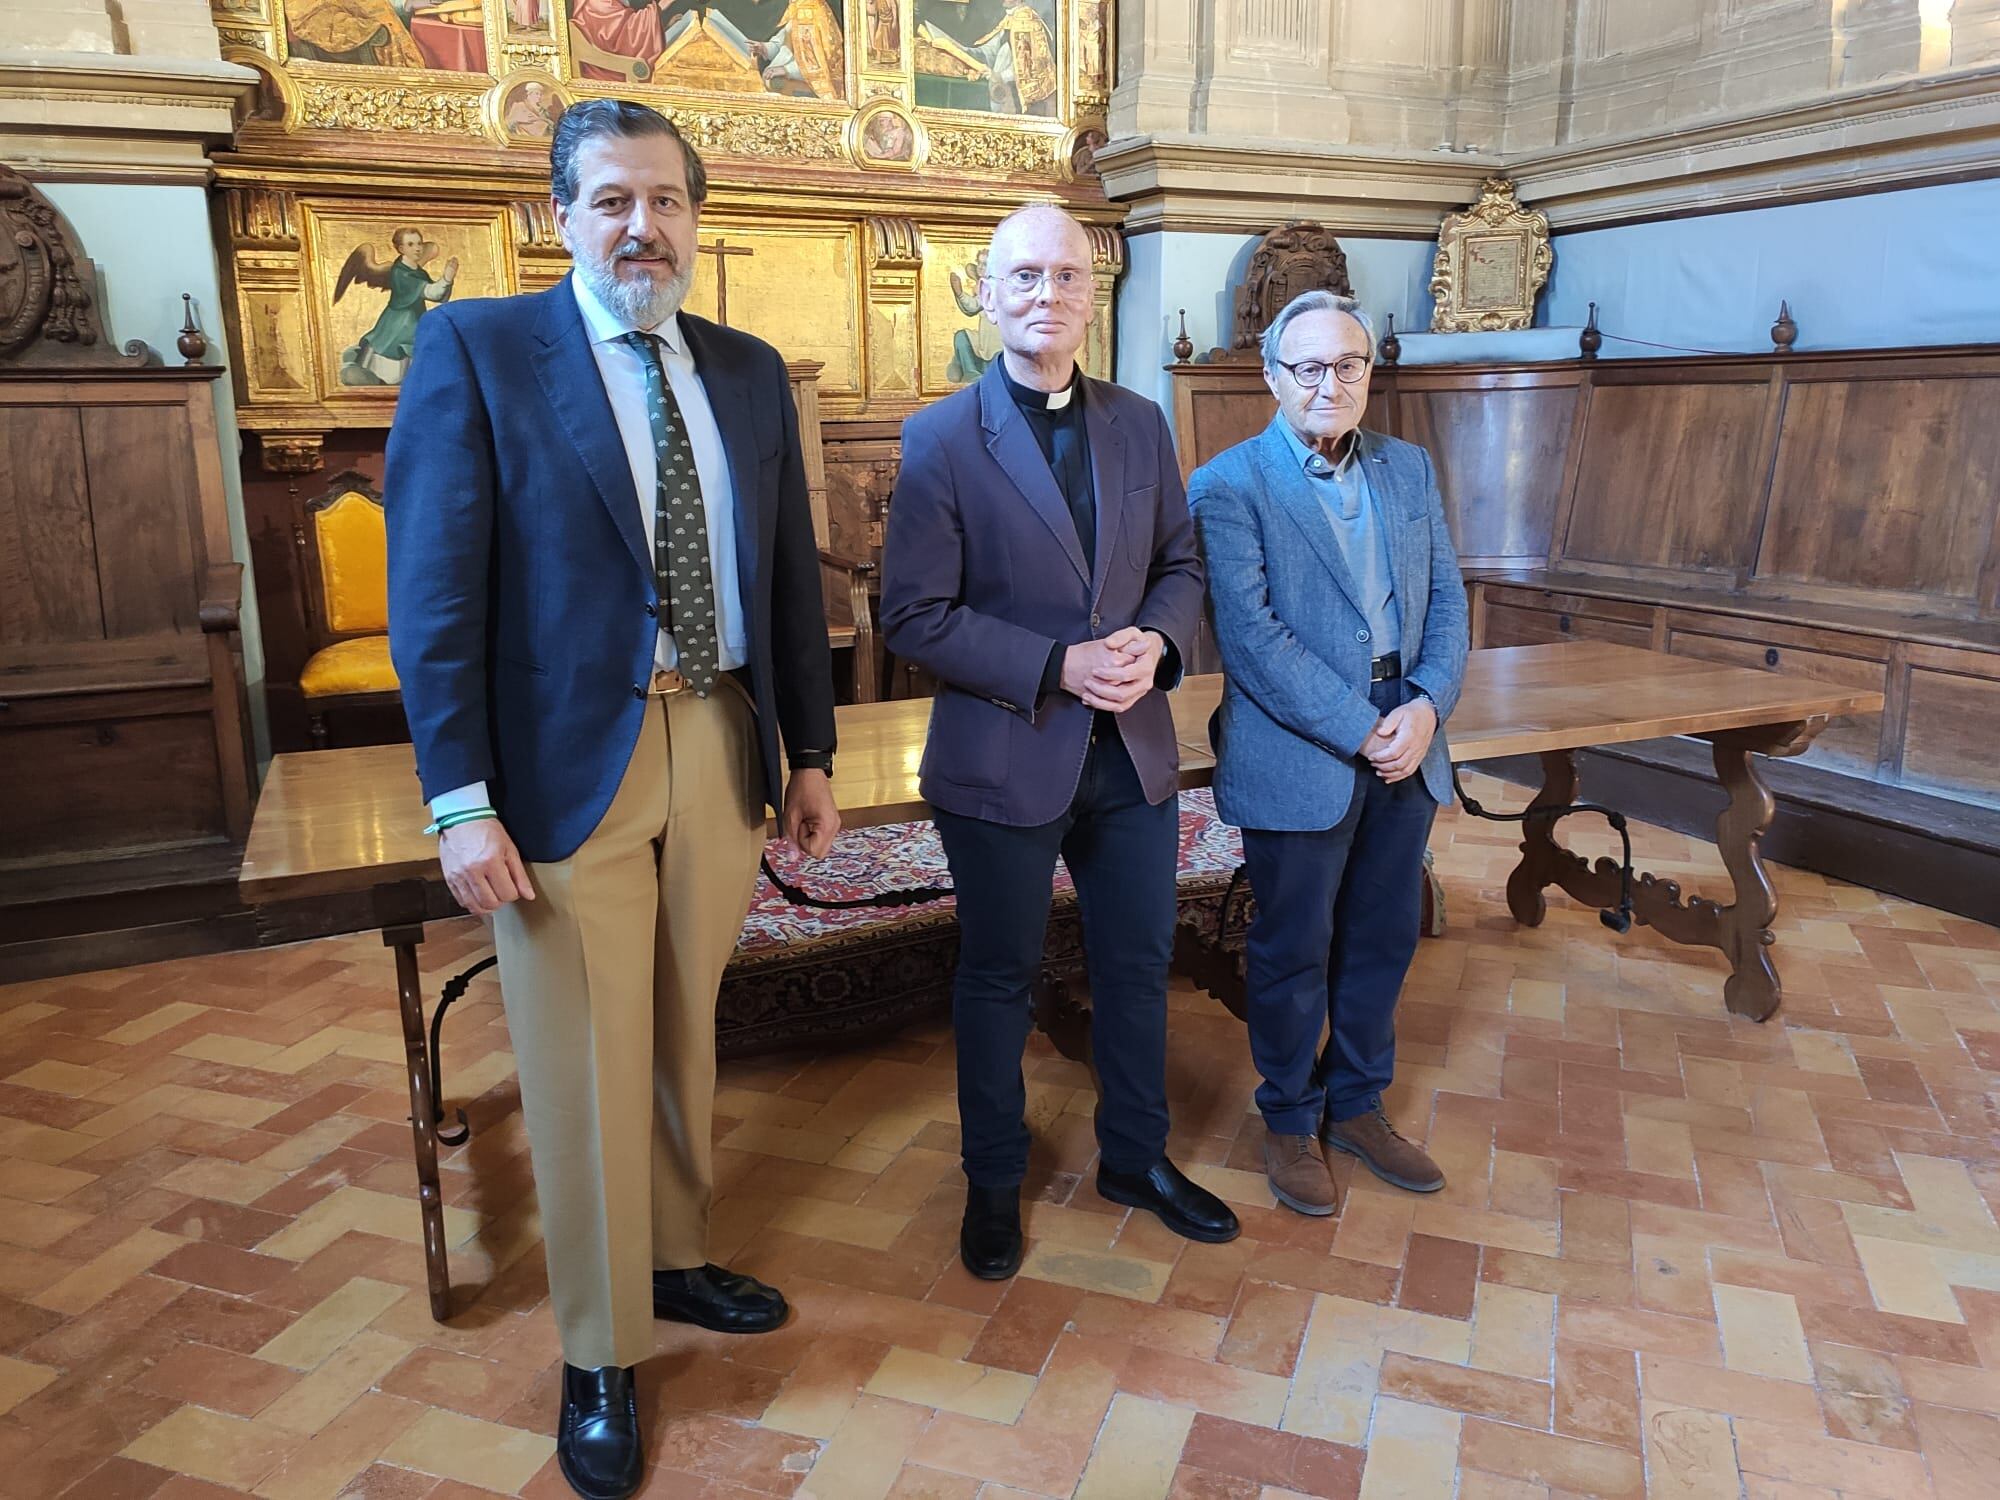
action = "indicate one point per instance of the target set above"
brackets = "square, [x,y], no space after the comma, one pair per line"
[722,250]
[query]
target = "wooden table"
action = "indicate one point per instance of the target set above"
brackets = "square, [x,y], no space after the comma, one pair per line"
[339,821]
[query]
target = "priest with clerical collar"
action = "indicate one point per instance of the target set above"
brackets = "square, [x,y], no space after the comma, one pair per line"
[1342,624]
[1041,564]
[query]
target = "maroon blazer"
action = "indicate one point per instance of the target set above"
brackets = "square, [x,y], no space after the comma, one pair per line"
[983,573]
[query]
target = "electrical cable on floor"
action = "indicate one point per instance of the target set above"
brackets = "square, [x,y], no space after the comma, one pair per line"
[1618,918]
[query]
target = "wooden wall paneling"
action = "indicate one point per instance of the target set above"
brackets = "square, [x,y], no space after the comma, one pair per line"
[1887,485]
[1500,450]
[142,487]
[48,552]
[1779,388]
[1895,713]
[1852,743]
[861,463]
[1953,723]
[1565,511]
[1221,415]
[147,758]
[1670,474]
[1532,617]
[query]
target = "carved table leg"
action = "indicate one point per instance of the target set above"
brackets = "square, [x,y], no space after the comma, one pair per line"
[1743,928]
[399,909]
[1542,858]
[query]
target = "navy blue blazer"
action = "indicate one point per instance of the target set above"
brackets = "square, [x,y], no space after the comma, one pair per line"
[983,572]
[1293,636]
[523,614]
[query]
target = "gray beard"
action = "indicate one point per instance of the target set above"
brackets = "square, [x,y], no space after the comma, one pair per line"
[641,302]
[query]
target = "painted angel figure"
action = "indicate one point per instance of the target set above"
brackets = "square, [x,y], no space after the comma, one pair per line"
[382,356]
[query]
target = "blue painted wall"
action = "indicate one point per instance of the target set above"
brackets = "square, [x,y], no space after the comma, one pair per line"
[1918,266]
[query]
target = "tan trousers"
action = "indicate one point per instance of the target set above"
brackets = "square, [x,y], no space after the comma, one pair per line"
[609,978]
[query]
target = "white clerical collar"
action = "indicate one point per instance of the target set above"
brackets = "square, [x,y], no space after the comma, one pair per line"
[1032,398]
[604,326]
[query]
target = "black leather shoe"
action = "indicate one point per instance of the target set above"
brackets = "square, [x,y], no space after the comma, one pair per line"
[989,1241]
[1185,1207]
[597,1440]
[712,1297]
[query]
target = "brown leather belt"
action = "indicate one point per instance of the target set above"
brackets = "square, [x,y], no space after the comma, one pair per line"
[666,684]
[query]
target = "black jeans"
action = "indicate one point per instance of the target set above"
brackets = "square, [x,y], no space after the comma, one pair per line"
[1123,854]
[1338,912]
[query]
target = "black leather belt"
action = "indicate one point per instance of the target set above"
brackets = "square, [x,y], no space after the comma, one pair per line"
[1384,667]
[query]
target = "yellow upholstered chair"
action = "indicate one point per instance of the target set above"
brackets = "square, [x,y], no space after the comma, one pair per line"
[344,545]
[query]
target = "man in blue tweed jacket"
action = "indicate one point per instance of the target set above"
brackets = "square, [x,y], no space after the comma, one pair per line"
[1342,624]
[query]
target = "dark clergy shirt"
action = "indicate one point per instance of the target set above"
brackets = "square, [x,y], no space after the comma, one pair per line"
[1056,419]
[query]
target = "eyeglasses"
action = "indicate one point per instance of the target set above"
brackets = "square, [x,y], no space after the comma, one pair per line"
[1027,281]
[1311,373]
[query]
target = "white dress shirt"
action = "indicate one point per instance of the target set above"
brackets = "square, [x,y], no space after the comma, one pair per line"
[618,363]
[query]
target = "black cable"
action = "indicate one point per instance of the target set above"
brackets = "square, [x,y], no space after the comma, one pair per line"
[916,896]
[1618,918]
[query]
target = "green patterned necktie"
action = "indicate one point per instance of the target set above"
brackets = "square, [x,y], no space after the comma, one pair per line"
[681,564]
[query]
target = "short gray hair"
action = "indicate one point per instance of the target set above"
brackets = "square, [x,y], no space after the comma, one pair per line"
[1312,302]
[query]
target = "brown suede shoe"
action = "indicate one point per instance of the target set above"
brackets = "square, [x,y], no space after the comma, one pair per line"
[1296,1168]
[1383,1152]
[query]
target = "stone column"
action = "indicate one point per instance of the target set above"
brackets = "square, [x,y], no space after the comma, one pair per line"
[1267,74]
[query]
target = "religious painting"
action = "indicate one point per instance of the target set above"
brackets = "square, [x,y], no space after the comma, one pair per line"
[797,287]
[445,34]
[886,138]
[374,277]
[1082,155]
[885,32]
[529,18]
[1093,58]
[522,109]
[994,55]
[716,46]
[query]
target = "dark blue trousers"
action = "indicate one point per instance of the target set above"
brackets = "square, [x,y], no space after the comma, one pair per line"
[1338,912]
[1122,854]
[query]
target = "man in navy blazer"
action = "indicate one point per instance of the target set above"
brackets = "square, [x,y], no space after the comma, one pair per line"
[1342,624]
[606,615]
[1041,564]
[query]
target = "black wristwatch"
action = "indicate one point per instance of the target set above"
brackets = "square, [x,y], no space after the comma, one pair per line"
[813,760]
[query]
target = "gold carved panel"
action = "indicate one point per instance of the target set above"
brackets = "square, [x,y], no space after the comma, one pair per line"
[795,286]
[859,153]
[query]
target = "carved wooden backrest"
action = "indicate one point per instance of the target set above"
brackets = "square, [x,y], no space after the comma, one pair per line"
[48,288]
[1301,256]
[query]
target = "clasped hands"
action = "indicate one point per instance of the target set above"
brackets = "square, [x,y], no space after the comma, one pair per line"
[1401,738]
[1116,672]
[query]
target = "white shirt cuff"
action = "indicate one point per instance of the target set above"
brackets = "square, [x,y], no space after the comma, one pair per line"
[459,799]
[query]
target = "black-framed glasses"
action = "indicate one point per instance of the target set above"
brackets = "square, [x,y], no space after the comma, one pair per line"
[1311,373]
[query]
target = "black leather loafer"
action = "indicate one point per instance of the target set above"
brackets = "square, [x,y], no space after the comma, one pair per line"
[1185,1207]
[597,1440]
[989,1241]
[722,1300]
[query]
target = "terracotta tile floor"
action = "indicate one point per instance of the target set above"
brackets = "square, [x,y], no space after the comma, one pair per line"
[1680,1255]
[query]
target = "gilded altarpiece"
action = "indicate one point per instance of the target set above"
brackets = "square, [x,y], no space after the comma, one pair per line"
[859,154]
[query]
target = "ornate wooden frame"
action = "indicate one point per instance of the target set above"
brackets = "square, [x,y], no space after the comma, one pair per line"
[1492,261]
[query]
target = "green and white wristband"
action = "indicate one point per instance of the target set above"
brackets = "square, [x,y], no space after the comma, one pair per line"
[466,815]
